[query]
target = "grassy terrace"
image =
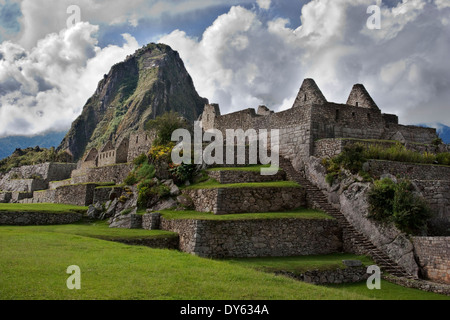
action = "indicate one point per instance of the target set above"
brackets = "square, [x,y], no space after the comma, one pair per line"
[34,262]
[98,230]
[41,207]
[299,265]
[213,184]
[250,168]
[294,214]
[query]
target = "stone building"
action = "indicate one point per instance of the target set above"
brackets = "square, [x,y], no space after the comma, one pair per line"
[125,151]
[313,118]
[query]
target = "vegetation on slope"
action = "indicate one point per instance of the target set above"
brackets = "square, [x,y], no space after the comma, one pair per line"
[32,156]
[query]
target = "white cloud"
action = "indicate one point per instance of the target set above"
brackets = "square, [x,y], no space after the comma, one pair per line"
[264,4]
[41,17]
[45,88]
[241,61]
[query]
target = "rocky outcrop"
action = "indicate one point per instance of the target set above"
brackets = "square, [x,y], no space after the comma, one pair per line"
[350,197]
[147,84]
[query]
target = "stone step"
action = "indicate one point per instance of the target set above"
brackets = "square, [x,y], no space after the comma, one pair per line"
[315,196]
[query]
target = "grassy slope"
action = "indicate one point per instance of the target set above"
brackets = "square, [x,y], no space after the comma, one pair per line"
[41,207]
[34,264]
[293,214]
[298,265]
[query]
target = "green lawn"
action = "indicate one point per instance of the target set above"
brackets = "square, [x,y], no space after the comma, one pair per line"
[97,230]
[301,213]
[388,291]
[34,261]
[213,184]
[41,207]
[298,265]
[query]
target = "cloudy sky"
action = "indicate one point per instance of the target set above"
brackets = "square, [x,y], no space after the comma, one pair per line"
[240,54]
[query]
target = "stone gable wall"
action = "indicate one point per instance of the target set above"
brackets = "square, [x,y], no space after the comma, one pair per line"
[433,256]
[256,238]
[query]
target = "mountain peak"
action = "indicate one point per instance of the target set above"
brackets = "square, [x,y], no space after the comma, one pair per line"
[145,85]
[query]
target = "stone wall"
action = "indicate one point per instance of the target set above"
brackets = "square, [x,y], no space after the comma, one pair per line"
[114,173]
[44,196]
[293,125]
[104,194]
[433,256]
[408,170]
[140,143]
[229,177]
[46,171]
[79,194]
[337,276]
[247,200]
[5,197]
[256,238]
[332,147]
[57,184]
[437,194]
[23,185]
[38,218]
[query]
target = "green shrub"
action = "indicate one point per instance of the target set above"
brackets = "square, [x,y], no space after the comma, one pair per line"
[443,158]
[437,142]
[131,180]
[410,211]
[140,160]
[381,198]
[164,126]
[145,172]
[351,158]
[397,203]
[183,173]
[331,177]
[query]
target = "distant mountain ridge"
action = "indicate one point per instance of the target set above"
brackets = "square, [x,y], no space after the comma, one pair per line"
[442,130]
[147,84]
[9,144]
[444,133]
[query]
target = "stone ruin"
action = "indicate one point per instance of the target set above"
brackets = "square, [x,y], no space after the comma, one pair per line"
[312,129]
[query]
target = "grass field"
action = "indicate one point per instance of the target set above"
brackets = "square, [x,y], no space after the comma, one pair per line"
[34,260]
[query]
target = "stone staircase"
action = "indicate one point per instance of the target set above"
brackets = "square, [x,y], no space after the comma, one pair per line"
[317,199]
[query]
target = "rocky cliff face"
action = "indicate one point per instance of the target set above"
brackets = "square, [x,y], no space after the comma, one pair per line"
[147,84]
